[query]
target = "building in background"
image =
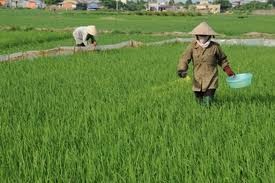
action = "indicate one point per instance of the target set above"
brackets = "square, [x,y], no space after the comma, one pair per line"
[94,5]
[68,4]
[160,5]
[236,3]
[31,4]
[205,7]
[2,2]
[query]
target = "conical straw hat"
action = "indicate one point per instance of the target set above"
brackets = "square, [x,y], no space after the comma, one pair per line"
[203,29]
[91,30]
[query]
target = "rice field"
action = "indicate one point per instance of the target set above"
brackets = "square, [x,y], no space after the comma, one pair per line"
[23,30]
[229,25]
[18,41]
[125,116]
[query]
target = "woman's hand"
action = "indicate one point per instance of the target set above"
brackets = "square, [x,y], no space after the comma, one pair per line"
[182,73]
[228,71]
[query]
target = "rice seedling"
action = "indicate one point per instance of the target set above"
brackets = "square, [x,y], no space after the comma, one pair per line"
[123,116]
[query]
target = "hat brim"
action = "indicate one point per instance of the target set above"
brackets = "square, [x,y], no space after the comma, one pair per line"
[92,32]
[204,33]
[203,29]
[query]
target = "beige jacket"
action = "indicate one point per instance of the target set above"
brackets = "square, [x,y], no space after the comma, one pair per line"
[205,62]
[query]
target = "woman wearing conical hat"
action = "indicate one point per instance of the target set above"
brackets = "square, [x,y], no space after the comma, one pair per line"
[85,35]
[206,55]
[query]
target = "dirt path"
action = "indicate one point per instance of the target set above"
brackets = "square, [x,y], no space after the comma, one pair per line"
[72,50]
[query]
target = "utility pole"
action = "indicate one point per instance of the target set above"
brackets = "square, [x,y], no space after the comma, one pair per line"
[9,4]
[117,5]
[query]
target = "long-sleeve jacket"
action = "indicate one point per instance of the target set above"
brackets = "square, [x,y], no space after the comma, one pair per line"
[205,62]
[81,36]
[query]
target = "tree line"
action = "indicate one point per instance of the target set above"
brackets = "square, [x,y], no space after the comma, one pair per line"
[139,5]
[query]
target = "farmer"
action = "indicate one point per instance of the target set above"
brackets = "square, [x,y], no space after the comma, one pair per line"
[205,55]
[85,35]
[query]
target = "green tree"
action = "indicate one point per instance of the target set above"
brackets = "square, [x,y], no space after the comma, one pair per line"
[254,6]
[111,4]
[180,3]
[53,1]
[81,6]
[225,4]
[134,6]
[171,2]
[272,2]
[188,2]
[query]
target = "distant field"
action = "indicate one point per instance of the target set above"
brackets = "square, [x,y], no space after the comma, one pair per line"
[224,24]
[19,29]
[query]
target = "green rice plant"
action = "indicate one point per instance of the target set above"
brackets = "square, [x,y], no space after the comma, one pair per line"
[124,116]
[18,41]
[228,25]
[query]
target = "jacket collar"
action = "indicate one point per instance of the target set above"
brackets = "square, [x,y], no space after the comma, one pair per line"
[196,46]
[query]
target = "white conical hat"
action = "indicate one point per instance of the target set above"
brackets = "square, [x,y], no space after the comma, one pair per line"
[91,30]
[203,29]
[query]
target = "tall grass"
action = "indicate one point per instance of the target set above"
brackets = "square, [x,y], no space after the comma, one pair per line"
[18,41]
[123,116]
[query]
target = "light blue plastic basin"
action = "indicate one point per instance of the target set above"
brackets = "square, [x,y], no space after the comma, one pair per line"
[239,80]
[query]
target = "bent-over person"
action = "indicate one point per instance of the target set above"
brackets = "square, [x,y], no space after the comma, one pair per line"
[85,35]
